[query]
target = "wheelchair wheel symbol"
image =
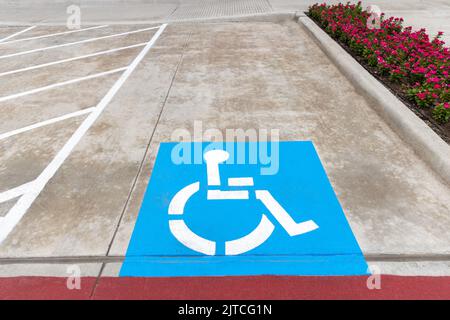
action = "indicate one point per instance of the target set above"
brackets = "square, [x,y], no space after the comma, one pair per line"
[254,238]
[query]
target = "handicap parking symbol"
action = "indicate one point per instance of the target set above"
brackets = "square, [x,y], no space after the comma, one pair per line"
[219,216]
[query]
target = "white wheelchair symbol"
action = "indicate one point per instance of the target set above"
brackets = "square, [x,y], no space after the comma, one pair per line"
[238,246]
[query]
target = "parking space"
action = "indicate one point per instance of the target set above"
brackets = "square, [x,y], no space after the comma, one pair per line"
[85,113]
[233,76]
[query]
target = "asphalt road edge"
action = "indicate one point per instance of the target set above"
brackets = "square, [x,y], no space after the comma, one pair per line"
[423,140]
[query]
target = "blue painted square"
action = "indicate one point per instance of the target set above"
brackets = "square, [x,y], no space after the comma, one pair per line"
[300,187]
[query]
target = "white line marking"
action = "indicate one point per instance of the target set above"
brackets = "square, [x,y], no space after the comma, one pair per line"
[76,42]
[240,182]
[46,123]
[252,240]
[72,59]
[176,205]
[227,195]
[292,228]
[23,204]
[182,232]
[60,84]
[16,192]
[53,34]
[2,41]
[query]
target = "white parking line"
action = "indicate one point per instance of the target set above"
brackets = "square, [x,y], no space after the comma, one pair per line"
[50,35]
[16,34]
[71,59]
[60,84]
[46,123]
[16,213]
[16,192]
[76,42]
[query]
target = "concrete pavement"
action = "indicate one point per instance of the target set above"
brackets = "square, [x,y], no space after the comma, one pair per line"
[434,15]
[205,72]
[266,74]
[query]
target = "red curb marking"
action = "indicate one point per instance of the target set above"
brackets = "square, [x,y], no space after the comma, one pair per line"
[45,288]
[272,287]
[258,287]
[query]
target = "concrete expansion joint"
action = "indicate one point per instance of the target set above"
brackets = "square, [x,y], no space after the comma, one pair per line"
[118,259]
[62,260]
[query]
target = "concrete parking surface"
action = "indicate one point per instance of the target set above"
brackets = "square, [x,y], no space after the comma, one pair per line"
[228,75]
[434,15]
[84,112]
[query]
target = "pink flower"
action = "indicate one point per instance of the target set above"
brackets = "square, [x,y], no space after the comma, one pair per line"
[422,96]
[420,70]
[416,60]
[433,80]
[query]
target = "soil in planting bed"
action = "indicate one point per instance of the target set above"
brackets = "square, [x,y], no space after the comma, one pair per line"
[443,130]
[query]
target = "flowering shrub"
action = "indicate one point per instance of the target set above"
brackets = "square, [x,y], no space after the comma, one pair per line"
[420,65]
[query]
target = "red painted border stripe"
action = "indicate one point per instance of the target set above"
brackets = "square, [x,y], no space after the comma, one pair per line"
[43,288]
[258,287]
